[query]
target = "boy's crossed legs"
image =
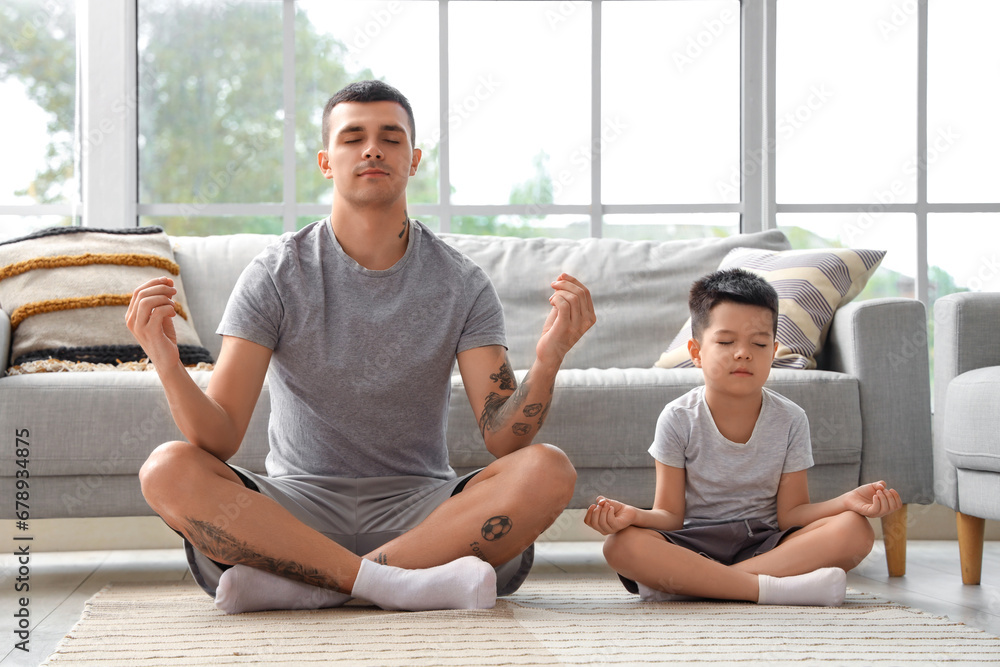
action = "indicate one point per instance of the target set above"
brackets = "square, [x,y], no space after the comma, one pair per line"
[807,567]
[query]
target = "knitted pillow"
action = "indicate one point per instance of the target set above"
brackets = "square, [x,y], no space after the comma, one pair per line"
[811,286]
[66,290]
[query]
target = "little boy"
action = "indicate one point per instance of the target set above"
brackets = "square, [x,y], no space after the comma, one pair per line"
[731,518]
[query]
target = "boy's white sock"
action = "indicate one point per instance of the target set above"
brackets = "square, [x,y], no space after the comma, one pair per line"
[466,583]
[243,588]
[825,587]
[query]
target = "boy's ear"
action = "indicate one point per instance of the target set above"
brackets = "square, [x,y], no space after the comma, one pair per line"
[695,351]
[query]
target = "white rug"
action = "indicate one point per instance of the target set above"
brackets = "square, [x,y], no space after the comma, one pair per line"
[570,620]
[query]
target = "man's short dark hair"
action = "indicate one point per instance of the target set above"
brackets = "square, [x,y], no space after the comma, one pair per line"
[368,91]
[729,285]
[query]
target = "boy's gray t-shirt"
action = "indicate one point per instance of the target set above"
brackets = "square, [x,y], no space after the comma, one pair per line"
[724,480]
[360,376]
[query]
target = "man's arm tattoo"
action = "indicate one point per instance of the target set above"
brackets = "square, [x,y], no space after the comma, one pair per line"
[221,546]
[505,376]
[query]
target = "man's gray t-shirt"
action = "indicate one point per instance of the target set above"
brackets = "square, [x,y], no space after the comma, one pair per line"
[360,376]
[724,480]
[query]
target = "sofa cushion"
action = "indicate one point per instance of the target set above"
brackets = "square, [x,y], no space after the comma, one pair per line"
[972,423]
[103,424]
[811,286]
[605,418]
[210,266]
[639,289]
[66,290]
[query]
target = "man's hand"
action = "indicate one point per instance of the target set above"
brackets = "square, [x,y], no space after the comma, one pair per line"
[571,315]
[873,500]
[609,516]
[149,319]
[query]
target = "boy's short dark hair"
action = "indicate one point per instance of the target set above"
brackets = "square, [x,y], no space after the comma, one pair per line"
[368,91]
[729,285]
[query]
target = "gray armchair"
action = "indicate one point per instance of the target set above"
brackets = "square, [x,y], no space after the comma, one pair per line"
[967,417]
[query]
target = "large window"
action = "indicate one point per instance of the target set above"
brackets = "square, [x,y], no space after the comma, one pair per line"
[884,137]
[39,178]
[556,118]
[862,123]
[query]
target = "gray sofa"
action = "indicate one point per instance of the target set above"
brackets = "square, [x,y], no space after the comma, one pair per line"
[868,402]
[966,422]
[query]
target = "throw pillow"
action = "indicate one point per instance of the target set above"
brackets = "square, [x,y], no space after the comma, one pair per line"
[66,290]
[811,286]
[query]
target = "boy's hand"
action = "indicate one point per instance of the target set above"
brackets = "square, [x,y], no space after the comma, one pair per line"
[609,516]
[874,500]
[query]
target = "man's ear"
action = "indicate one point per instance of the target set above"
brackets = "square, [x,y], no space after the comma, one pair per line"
[323,160]
[695,351]
[417,154]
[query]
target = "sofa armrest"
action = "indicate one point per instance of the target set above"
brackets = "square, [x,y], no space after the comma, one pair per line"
[5,339]
[964,337]
[883,343]
[964,340]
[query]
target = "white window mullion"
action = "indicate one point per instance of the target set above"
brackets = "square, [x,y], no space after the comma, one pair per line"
[596,202]
[444,158]
[922,287]
[108,112]
[289,195]
[755,154]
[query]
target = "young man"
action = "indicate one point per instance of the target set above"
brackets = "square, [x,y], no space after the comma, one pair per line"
[360,317]
[731,517]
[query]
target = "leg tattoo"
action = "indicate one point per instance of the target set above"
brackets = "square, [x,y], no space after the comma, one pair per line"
[219,545]
[496,527]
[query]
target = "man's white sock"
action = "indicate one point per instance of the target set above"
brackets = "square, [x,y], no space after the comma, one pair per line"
[243,588]
[647,594]
[466,583]
[825,587]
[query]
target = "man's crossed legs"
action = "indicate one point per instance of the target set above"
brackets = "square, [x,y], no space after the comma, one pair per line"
[440,556]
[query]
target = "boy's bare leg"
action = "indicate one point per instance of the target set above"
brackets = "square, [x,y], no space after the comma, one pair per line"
[842,540]
[646,557]
[191,490]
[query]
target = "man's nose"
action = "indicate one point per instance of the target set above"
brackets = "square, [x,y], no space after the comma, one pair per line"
[373,152]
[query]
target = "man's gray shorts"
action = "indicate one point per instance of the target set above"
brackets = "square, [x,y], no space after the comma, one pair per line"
[358,514]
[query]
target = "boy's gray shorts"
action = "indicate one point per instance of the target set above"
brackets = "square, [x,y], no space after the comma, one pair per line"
[358,514]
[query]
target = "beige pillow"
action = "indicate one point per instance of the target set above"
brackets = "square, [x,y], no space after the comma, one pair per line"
[66,290]
[811,286]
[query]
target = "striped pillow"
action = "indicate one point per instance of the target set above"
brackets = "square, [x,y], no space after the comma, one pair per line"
[811,286]
[66,290]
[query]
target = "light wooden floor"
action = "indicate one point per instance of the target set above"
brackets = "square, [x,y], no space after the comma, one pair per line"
[62,582]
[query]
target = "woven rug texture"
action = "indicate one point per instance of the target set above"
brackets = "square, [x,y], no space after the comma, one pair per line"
[571,620]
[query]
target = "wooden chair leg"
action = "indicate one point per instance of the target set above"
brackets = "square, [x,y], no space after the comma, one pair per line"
[970,546]
[894,537]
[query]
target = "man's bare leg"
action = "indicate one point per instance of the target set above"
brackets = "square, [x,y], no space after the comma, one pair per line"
[190,489]
[500,512]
